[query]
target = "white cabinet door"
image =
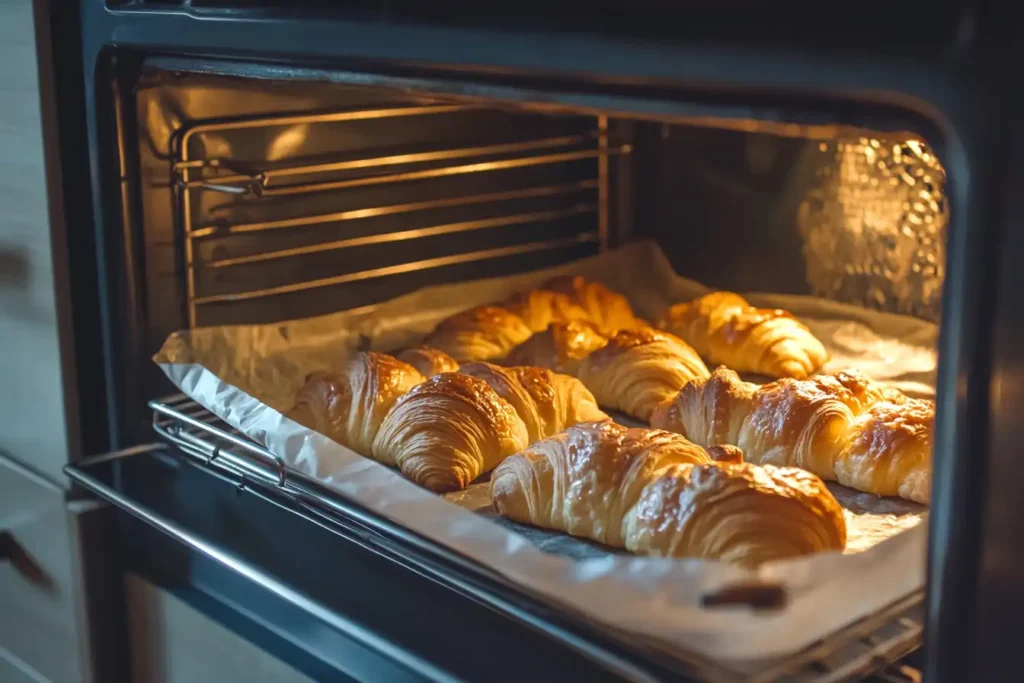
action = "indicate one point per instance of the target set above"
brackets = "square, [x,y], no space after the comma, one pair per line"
[32,421]
[171,642]
[42,634]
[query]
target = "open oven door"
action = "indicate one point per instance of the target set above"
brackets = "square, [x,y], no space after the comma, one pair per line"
[336,590]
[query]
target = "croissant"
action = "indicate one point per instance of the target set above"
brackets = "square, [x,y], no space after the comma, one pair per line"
[561,347]
[481,333]
[428,361]
[655,493]
[727,330]
[843,428]
[540,307]
[449,430]
[546,401]
[639,369]
[349,406]
[611,312]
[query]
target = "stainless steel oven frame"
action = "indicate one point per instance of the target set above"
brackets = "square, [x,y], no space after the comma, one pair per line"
[951,82]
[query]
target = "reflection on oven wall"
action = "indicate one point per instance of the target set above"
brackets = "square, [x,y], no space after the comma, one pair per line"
[874,224]
[858,220]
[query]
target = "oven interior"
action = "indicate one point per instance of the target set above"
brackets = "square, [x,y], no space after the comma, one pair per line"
[269,199]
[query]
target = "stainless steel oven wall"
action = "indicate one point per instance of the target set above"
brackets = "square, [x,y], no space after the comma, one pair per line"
[262,200]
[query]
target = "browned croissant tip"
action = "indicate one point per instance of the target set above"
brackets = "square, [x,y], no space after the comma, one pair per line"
[428,360]
[486,315]
[567,284]
[784,482]
[726,453]
[472,391]
[456,383]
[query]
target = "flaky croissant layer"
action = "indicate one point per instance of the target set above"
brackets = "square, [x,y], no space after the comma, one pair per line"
[449,430]
[655,493]
[843,428]
[547,402]
[489,332]
[725,329]
[428,361]
[639,369]
[349,406]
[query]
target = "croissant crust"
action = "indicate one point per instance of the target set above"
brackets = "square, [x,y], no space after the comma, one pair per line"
[560,347]
[428,361]
[724,328]
[639,369]
[449,430]
[843,428]
[655,493]
[546,401]
[349,406]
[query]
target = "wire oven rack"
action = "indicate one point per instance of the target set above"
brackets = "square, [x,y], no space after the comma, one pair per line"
[263,198]
[868,646]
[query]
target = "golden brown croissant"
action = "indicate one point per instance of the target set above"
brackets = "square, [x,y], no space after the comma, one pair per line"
[546,401]
[561,347]
[481,333]
[843,428]
[639,369]
[428,361]
[349,406]
[611,312]
[540,307]
[655,493]
[727,330]
[448,431]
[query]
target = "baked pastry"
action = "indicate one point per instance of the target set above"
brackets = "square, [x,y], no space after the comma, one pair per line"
[449,430]
[655,493]
[561,347]
[349,406]
[725,329]
[611,312]
[546,401]
[428,361]
[843,428]
[639,369]
[540,307]
[481,333]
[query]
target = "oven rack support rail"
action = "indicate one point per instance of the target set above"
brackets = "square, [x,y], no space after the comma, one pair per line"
[866,647]
[267,181]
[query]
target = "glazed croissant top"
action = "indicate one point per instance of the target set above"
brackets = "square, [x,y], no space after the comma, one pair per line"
[546,401]
[655,493]
[724,328]
[639,369]
[844,428]
[490,332]
[480,333]
[428,361]
[449,430]
[540,307]
[611,312]
[561,347]
[349,406]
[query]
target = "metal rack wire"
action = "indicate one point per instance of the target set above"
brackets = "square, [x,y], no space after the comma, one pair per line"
[867,646]
[261,183]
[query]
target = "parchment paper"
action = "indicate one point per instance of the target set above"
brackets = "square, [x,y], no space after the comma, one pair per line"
[248,376]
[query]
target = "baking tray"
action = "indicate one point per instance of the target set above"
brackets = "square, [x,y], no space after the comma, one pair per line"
[248,375]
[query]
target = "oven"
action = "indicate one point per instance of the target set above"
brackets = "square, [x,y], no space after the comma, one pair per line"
[221,162]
